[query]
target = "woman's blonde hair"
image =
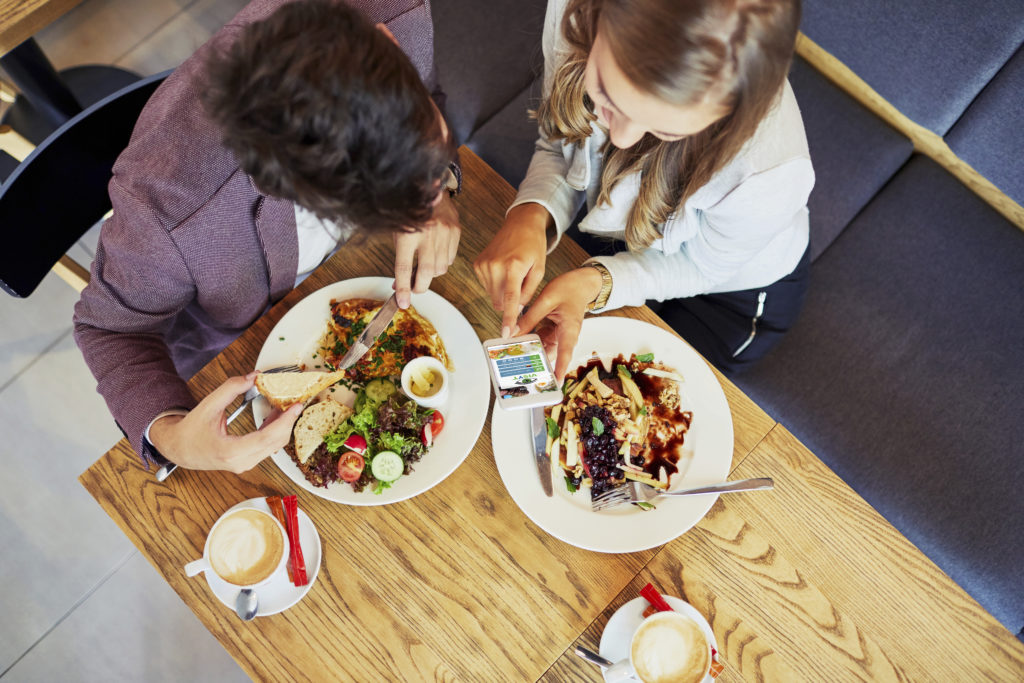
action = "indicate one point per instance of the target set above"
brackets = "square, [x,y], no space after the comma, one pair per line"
[731,52]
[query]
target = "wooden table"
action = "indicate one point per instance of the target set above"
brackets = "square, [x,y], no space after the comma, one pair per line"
[53,103]
[22,19]
[804,583]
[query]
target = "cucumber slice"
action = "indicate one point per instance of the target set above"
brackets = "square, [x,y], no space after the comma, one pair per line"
[379,389]
[387,466]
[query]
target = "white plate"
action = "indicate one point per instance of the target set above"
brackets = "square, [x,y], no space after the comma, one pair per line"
[279,594]
[620,627]
[705,459]
[294,340]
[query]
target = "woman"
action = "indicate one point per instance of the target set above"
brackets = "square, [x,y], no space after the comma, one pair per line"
[674,121]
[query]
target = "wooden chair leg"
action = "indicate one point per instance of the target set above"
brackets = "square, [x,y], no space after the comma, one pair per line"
[7,92]
[72,272]
[14,144]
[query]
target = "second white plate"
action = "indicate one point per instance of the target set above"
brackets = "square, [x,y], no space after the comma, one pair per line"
[705,458]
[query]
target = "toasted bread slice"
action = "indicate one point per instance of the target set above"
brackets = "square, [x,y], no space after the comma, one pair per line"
[315,423]
[282,389]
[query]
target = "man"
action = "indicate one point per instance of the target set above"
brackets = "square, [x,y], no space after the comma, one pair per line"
[296,124]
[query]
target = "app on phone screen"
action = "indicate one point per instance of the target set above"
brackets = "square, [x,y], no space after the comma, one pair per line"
[521,369]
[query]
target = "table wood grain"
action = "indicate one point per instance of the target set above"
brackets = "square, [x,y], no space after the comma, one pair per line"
[458,584]
[809,583]
[21,19]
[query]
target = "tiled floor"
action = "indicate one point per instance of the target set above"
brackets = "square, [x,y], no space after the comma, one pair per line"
[79,602]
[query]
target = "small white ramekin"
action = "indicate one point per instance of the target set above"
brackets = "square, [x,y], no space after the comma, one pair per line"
[415,365]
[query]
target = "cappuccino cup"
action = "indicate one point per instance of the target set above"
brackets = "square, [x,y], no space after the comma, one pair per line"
[667,647]
[246,547]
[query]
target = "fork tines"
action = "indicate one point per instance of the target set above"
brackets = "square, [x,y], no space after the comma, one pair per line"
[283,368]
[620,495]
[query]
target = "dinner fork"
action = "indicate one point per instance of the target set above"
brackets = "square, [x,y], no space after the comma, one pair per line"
[165,470]
[637,492]
[253,392]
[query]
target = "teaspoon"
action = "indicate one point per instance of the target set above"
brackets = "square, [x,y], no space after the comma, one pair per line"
[246,604]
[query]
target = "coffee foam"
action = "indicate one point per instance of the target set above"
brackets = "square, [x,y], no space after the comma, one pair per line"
[246,547]
[670,648]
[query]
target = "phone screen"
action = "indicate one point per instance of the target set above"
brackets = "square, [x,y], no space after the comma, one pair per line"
[521,368]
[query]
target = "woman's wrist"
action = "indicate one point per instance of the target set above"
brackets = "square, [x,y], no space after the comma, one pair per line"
[591,282]
[531,216]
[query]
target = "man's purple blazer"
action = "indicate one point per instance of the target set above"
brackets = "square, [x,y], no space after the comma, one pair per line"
[194,253]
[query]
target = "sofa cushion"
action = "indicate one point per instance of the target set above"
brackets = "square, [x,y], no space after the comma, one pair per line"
[486,54]
[989,135]
[904,375]
[929,58]
[506,140]
[853,151]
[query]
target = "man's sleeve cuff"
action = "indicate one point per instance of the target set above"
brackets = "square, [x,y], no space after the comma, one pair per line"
[150,454]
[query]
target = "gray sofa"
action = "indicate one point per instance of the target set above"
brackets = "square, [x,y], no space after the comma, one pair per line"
[905,373]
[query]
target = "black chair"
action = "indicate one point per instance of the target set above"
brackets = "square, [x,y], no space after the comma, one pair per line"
[59,191]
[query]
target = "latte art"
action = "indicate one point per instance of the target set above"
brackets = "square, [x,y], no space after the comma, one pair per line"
[246,547]
[670,648]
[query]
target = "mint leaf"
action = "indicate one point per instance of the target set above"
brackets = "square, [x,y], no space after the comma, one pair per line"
[645,357]
[572,488]
[645,506]
[623,370]
[597,425]
[553,430]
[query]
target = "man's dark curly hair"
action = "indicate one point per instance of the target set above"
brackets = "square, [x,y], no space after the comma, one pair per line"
[320,107]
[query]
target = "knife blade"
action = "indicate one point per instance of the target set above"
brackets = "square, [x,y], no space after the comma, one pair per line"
[377,324]
[538,427]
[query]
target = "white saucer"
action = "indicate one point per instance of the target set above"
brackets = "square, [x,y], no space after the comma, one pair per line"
[279,594]
[619,629]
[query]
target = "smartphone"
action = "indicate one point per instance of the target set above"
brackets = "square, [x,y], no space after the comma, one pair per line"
[520,372]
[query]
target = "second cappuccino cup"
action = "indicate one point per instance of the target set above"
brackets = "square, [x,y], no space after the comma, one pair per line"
[667,647]
[246,547]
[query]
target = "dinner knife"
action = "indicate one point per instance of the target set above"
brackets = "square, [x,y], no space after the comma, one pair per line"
[378,324]
[539,429]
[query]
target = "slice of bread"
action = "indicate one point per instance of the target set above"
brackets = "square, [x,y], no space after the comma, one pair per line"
[315,423]
[282,389]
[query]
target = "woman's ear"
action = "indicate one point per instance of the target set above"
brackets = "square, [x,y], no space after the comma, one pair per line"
[384,29]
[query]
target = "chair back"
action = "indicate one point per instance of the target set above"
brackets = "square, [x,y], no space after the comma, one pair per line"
[59,191]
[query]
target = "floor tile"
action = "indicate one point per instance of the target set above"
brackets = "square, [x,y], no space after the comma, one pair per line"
[32,324]
[133,628]
[58,543]
[181,36]
[102,31]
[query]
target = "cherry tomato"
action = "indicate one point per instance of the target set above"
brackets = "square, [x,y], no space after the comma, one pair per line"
[432,428]
[350,466]
[436,423]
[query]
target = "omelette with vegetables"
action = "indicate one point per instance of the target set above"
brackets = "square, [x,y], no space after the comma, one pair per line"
[618,424]
[409,336]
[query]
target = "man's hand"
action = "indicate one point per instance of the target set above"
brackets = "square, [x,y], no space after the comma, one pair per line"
[200,440]
[429,252]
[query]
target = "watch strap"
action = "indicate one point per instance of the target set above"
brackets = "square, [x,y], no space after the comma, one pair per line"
[606,287]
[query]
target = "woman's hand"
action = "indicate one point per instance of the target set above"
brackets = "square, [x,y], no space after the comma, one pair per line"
[558,312]
[512,265]
[200,440]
